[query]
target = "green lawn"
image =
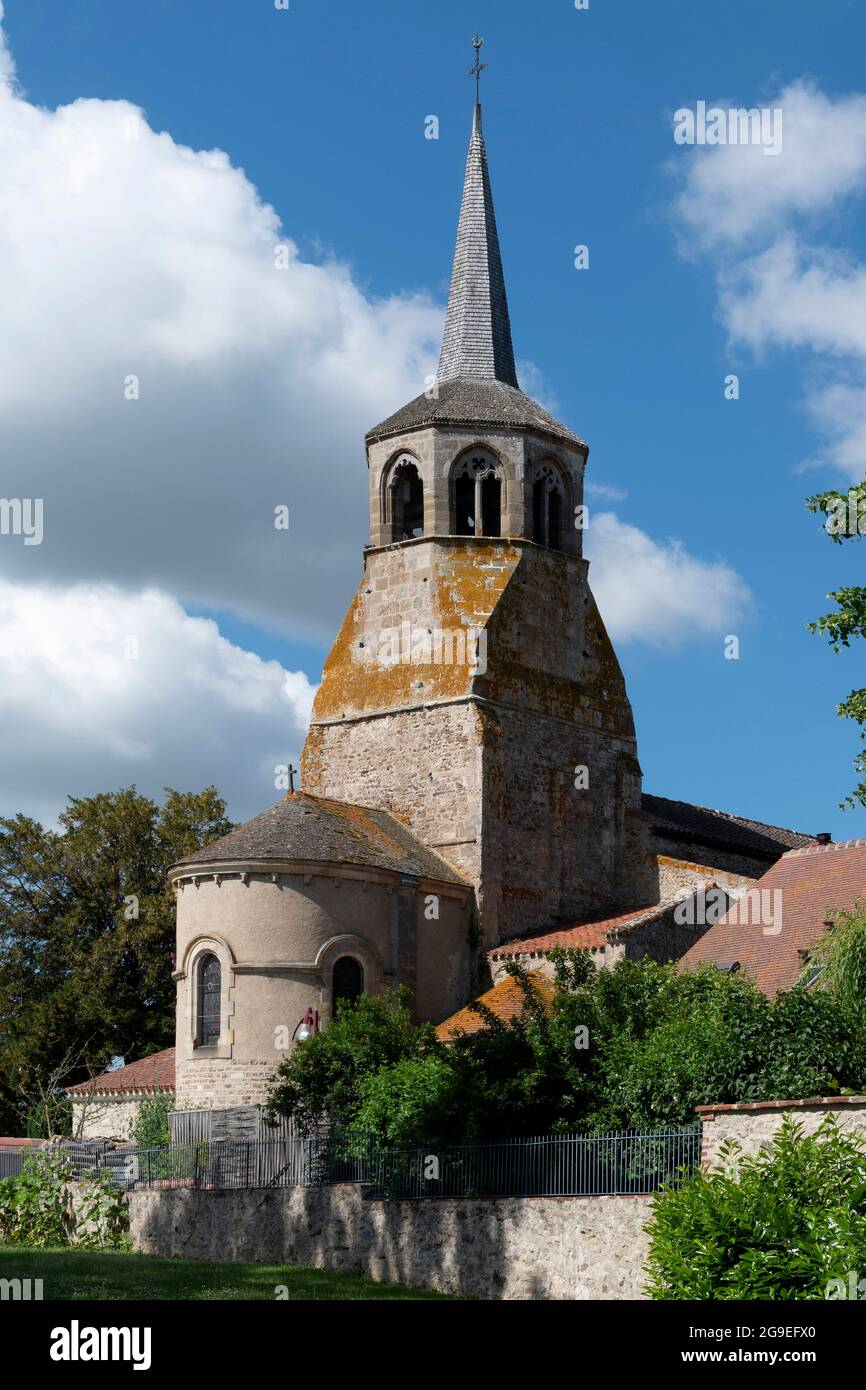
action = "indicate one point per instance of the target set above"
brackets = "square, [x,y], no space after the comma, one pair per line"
[82,1274]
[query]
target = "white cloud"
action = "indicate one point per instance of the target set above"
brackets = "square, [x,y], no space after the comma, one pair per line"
[780,283]
[123,253]
[793,295]
[658,593]
[80,712]
[734,192]
[605,491]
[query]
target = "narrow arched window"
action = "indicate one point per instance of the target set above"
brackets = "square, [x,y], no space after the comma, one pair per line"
[407,502]
[539,511]
[347,982]
[554,519]
[464,505]
[491,505]
[209,996]
[477,496]
[547,509]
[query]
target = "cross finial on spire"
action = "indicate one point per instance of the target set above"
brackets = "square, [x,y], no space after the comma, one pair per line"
[477,44]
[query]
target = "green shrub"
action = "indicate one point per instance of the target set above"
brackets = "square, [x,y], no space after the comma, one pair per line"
[101,1216]
[149,1129]
[39,1207]
[781,1224]
[322,1076]
[841,955]
[417,1101]
[36,1205]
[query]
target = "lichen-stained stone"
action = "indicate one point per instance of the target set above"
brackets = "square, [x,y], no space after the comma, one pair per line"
[480,757]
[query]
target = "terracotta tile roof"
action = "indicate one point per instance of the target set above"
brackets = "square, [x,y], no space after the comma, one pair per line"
[581,936]
[153,1073]
[682,820]
[505,1000]
[313,828]
[811,883]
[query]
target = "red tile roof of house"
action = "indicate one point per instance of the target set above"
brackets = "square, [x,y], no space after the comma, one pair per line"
[505,1000]
[581,936]
[153,1073]
[812,883]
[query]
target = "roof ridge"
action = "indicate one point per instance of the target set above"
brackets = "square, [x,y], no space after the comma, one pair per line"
[823,849]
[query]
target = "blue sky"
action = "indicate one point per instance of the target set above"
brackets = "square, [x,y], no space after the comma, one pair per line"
[323,108]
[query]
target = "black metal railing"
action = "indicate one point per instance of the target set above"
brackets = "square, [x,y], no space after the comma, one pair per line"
[603,1165]
[11,1163]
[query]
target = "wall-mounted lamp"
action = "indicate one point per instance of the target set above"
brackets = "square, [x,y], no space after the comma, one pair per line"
[308,1025]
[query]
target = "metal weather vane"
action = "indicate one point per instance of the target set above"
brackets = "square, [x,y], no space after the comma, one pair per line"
[476,72]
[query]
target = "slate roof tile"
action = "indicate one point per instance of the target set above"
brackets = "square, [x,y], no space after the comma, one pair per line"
[682,820]
[315,829]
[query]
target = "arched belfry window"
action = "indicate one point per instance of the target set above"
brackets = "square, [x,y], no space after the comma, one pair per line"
[548,509]
[406,501]
[347,982]
[476,485]
[208,1001]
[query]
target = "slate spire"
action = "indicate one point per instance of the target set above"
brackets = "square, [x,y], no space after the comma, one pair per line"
[477,341]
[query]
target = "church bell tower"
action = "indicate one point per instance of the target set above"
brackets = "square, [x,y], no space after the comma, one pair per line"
[472,689]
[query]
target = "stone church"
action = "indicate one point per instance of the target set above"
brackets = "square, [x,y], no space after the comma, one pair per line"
[470,780]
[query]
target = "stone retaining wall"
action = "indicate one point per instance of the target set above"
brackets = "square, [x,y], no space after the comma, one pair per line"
[754,1125]
[495,1248]
[581,1248]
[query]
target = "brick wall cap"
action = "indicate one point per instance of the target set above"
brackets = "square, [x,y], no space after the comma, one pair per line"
[749,1105]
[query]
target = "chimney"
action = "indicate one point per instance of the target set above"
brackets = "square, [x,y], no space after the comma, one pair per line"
[824,837]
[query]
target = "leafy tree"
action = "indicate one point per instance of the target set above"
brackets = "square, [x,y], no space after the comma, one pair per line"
[840,954]
[87,935]
[731,1044]
[635,1047]
[322,1077]
[416,1101]
[849,619]
[786,1223]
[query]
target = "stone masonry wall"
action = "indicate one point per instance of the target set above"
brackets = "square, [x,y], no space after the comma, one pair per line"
[505,1248]
[677,876]
[104,1117]
[481,759]
[754,1125]
[675,853]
